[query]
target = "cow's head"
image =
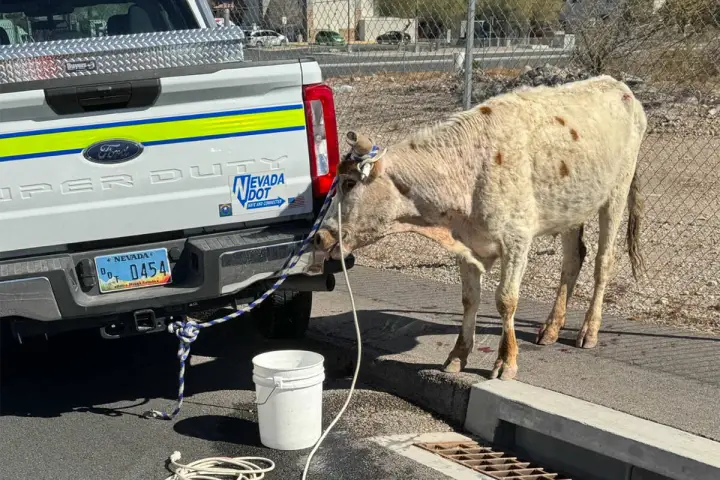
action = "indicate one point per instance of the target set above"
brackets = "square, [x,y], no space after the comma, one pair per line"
[370,202]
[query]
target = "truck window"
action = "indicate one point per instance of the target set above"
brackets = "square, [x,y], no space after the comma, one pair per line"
[23,21]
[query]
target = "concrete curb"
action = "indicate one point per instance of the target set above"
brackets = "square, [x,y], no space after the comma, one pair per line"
[409,325]
[430,389]
[575,437]
[584,439]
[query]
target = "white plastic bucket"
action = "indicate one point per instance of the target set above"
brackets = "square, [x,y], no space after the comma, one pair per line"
[288,390]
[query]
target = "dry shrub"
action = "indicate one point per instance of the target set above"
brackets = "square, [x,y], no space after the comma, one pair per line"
[684,64]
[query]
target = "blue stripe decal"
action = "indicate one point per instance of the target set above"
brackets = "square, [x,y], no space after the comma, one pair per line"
[37,155]
[149,121]
[160,142]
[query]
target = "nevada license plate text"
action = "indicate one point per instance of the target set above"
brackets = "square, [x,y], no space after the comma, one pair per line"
[130,270]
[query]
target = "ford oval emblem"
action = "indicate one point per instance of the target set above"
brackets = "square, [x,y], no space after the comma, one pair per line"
[113,151]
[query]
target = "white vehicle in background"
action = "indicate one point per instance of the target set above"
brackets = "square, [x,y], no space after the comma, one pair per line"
[266,38]
[146,177]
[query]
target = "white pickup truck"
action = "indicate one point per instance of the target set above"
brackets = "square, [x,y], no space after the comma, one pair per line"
[147,171]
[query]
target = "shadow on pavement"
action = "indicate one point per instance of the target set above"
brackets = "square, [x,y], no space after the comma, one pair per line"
[217,428]
[82,372]
[483,323]
[422,338]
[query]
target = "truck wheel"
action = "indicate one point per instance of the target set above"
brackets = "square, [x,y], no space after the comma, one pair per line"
[284,315]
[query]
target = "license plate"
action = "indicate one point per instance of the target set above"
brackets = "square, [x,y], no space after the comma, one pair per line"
[130,270]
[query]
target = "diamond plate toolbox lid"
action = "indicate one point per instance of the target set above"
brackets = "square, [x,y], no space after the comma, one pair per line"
[119,54]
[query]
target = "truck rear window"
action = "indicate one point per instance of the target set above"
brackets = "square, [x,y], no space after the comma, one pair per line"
[46,20]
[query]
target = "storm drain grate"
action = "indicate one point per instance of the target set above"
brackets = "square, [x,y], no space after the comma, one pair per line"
[488,461]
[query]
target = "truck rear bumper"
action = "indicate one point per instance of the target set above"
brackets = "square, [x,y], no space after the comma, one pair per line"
[205,268]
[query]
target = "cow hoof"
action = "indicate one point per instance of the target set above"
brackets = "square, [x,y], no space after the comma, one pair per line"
[586,340]
[503,371]
[508,372]
[496,369]
[454,365]
[547,335]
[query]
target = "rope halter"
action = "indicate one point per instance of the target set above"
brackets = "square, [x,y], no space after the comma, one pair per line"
[363,152]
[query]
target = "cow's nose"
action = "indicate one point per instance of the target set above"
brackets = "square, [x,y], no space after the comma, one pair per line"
[324,240]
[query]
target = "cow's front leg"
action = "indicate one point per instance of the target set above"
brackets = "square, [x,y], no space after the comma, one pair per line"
[471,278]
[514,261]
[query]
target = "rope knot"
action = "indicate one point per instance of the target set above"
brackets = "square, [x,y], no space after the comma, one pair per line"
[374,150]
[185,330]
[365,162]
[363,152]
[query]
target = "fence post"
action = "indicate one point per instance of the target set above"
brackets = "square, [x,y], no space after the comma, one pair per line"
[226,17]
[469,46]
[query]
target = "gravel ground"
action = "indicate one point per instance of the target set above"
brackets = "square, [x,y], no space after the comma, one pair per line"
[679,168]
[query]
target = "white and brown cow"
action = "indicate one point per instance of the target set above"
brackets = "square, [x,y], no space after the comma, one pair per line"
[485,183]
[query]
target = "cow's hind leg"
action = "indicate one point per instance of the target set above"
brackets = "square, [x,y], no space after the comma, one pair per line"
[610,217]
[573,256]
[514,261]
[471,278]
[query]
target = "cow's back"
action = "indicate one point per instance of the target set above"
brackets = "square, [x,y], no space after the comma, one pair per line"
[560,151]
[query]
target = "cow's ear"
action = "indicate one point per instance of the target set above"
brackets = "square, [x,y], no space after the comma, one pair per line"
[361,145]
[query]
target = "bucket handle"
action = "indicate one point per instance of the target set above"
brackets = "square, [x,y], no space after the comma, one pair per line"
[278,383]
[268,397]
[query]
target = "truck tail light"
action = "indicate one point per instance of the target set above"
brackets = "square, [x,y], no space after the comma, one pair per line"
[322,137]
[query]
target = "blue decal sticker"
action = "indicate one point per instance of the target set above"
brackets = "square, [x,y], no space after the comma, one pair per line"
[254,191]
[225,210]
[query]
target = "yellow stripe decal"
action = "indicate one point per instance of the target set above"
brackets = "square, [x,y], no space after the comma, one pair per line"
[189,128]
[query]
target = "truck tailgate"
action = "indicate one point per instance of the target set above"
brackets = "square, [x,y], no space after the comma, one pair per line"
[204,150]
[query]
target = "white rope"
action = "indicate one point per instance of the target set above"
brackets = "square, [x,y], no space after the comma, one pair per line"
[359,346]
[220,468]
[248,468]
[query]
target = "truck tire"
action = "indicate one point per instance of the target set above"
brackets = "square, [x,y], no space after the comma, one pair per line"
[284,315]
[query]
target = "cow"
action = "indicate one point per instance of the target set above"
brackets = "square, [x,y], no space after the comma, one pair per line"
[484,183]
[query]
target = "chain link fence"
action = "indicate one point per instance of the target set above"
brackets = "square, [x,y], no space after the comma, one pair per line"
[396,65]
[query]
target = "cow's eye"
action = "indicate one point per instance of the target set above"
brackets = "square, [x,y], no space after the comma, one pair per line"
[347,184]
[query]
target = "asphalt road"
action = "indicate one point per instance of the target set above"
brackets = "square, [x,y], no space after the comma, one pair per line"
[338,63]
[71,409]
